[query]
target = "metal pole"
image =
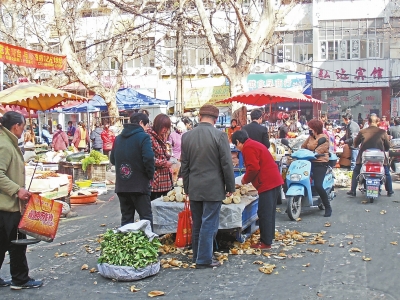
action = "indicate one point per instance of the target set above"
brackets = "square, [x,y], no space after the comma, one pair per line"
[179,50]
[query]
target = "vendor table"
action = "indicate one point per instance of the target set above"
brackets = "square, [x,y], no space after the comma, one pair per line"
[239,219]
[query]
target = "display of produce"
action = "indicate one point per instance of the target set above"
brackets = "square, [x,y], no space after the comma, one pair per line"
[75,157]
[95,157]
[132,249]
[241,190]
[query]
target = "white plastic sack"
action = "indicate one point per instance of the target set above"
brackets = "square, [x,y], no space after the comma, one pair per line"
[142,225]
[127,273]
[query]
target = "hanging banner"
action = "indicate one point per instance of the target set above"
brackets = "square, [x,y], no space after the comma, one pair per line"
[197,97]
[19,56]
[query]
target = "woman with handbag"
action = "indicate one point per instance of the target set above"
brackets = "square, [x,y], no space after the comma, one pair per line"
[60,139]
[12,190]
[162,181]
[81,137]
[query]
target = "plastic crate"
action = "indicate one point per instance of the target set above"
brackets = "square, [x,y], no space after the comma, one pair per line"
[75,170]
[97,172]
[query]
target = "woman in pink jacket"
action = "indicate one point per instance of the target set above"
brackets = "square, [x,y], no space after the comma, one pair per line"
[81,137]
[60,139]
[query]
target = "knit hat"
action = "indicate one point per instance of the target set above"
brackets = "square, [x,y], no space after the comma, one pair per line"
[209,110]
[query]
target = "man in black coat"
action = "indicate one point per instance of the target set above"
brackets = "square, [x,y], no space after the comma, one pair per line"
[255,130]
[133,158]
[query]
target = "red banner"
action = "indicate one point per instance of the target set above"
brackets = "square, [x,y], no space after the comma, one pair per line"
[32,59]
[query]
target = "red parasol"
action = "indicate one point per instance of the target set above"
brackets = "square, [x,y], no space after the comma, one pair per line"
[270,95]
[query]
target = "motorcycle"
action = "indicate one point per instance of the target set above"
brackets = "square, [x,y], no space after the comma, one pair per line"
[394,156]
[372,174]
[299,181]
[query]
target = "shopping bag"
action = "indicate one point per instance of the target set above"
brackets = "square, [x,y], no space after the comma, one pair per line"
[41,218]
[184,229]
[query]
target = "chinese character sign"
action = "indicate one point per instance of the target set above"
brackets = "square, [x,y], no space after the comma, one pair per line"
[32,59]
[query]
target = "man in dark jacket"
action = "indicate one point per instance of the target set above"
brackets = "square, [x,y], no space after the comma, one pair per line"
[371,137]
[352,129]
[263,173]
[133,158]
[256,131]
[207,171]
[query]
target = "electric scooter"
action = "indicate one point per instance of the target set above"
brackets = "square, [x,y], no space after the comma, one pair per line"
[299,181]
[372,174]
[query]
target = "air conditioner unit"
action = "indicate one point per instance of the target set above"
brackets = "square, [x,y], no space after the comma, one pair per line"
[112,73]
[152,71]
[205,70]
[165,71]
[216,70]
[139,71]
[190,70]
[273,69]
[258,68]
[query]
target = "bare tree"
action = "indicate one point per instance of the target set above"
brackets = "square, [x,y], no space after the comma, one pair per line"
[63,26]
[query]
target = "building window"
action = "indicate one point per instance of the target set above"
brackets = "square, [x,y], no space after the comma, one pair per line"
[351,39]
[294,46]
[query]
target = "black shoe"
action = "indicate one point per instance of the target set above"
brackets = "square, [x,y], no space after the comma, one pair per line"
[352,194]
[5,282]
[390,194]
[215,263]
[328,212]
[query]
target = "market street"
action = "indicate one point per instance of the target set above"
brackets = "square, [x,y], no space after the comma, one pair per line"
[334,273]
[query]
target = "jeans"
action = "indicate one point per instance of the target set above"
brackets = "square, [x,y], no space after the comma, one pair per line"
[266,214]
[8,231]
[131,202]
[205,216]
[354,154]
[356,172]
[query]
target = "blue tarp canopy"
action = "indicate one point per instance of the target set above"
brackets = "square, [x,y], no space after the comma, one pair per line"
[126,99]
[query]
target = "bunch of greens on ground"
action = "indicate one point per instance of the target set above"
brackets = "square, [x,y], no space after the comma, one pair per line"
[94,158]
[128,249]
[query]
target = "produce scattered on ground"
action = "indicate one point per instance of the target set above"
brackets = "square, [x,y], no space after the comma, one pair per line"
[128,249]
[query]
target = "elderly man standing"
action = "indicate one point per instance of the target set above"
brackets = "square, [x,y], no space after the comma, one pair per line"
[208,177]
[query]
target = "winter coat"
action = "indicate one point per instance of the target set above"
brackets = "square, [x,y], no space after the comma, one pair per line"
[95,136]
[162,180]
[352,129]
[206,164]
[12,171]
[108,138]
[133,158]
[46,136]
[371,137]
[175,138]
[311,142]
[258,133]
[60,140]
[261,169]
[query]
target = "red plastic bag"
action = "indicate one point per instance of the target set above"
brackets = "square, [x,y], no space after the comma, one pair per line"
[184,229]
[41,218]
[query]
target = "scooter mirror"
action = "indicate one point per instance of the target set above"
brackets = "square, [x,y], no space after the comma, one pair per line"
[321,141]
[285,142]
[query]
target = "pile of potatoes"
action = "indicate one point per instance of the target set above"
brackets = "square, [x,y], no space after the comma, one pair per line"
[177,194]
[235,198]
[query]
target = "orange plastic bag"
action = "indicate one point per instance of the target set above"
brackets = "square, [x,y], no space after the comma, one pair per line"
[41,218]
[184,229]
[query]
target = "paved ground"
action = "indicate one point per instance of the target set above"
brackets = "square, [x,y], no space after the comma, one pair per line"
[334,273]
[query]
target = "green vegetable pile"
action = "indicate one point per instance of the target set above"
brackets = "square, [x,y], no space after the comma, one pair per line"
[128,249]
[94,158]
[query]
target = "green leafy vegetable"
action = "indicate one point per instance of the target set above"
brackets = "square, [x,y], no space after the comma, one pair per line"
[94,158]
[128,249]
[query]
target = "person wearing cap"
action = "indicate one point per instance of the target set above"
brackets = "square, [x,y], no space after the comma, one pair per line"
[383,124]
[46,136]
[255,130]
[208,178]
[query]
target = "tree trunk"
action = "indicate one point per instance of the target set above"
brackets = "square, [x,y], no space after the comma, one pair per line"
[113,112]
[238,85]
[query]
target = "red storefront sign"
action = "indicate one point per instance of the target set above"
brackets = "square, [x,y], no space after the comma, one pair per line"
[32,59]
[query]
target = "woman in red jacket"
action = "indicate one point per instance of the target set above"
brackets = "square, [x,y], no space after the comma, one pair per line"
[108,138]
[263,173]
